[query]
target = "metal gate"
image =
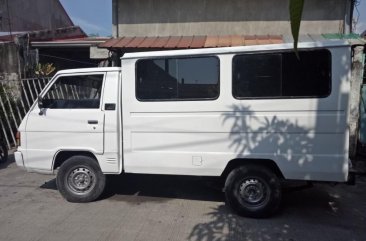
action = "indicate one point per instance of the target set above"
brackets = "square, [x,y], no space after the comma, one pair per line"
[16,98]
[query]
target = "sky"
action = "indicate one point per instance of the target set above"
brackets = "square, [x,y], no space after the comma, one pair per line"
[360,11]
[95,16]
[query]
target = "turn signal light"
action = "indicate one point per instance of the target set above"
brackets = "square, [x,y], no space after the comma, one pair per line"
[17,137]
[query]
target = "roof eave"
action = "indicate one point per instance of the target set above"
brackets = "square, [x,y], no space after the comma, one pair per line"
[62,44]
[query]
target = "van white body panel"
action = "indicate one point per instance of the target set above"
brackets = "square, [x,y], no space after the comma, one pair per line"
[306,137]
[109,161]
[66,131]
[55,130]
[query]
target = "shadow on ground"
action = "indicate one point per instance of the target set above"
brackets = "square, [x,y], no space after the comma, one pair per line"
[322,209]
[8,162]
[318,210]
[121,187]
[299,201]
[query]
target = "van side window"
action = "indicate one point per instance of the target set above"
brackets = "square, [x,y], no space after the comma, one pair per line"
[75,92]
[177,78]
[282,75]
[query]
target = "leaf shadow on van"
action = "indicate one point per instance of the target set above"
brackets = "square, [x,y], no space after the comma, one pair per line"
[266,135]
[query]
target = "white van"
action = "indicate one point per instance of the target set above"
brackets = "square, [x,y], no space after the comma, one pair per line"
[254,115]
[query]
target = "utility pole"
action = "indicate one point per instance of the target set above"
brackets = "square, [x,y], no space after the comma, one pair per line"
[358,64]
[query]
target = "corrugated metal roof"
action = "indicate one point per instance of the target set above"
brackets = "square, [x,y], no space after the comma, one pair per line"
[210,51]
[184,42]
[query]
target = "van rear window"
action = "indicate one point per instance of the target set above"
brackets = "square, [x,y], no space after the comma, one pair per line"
[173,79]
[282,75]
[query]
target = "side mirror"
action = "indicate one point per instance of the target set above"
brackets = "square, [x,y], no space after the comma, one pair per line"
[40,102]
[40,105]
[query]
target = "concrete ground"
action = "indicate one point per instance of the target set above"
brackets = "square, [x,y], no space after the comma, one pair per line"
[148,207]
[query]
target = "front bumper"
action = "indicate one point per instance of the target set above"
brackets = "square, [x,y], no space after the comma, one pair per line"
[19,159]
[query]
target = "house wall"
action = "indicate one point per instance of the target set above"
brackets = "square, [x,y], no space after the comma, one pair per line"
[25,15]
[9,62]
[223,17]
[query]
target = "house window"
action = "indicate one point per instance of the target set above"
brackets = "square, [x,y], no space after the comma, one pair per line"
[177,79]
[75,92]
[282,75]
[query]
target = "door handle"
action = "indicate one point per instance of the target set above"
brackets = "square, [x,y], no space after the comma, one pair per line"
[92,122]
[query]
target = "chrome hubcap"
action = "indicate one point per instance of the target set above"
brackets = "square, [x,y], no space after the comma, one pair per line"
[252,191]
[81,180]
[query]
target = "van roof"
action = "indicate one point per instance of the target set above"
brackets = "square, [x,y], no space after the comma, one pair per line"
[230,50]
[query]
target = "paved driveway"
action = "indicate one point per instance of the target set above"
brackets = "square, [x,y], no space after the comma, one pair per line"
[148,207]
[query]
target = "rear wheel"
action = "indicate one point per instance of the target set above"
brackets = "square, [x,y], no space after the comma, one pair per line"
[253,191]
[80,179]
[3,153]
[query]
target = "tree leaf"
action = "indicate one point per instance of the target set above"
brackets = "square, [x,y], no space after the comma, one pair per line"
[296,8]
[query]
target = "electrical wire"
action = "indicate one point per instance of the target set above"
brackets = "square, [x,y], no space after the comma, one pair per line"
[66,59]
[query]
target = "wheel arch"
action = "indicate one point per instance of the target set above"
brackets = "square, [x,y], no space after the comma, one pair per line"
[237,162]
[62,155]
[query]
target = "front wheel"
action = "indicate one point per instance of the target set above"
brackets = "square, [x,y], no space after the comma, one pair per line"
[253,191]
[80,179]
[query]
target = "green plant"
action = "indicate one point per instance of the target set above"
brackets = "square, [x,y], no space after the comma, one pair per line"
[9,104]
[43,70]
[296,8]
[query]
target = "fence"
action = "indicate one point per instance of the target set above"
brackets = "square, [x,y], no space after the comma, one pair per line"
[16,98]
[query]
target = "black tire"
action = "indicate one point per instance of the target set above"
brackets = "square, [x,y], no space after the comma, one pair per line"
[3,153]
[253,191]
[80,179]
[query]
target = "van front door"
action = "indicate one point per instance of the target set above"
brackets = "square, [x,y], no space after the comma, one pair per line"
[70,118]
